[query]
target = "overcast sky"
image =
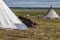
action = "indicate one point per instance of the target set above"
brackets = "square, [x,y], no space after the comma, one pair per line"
[33,3]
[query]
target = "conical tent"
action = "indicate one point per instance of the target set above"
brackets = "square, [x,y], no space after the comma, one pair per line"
[8,19]
[51,14]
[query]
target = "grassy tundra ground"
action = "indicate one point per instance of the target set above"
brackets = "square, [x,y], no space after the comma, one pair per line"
[47,29]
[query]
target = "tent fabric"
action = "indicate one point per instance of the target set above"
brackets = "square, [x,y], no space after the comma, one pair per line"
[26,21]
[8,19]
[51,14]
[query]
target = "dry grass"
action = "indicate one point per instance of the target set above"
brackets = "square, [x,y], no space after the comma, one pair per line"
[47,29]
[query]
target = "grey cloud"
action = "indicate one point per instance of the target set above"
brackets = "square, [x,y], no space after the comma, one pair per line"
[30,3]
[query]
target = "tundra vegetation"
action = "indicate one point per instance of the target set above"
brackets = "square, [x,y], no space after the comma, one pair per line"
[46,29]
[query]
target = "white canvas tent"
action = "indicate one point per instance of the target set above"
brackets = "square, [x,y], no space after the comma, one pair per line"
[51,14]
[8,19]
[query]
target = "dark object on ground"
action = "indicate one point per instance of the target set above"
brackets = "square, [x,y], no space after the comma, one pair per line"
[27,21]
